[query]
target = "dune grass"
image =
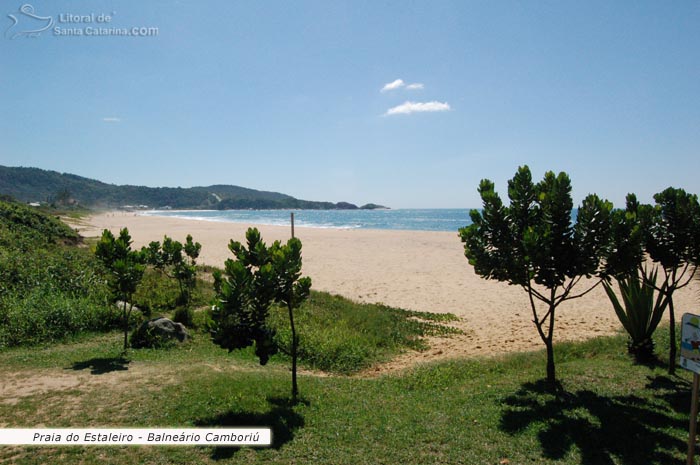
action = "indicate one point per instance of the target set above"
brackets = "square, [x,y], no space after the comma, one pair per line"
[342,336]
[481,411]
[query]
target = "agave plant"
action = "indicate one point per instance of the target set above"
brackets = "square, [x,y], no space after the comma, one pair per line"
[641,313]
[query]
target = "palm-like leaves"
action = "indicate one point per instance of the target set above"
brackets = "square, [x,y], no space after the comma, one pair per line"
[640,313]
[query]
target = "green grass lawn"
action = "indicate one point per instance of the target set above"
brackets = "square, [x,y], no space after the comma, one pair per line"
[482,411]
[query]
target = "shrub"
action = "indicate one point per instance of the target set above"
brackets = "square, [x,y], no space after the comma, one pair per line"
[184,315]
[639,312]
[45,315]
[49,288]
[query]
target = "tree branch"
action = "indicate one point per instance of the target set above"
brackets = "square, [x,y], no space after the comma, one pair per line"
[690,278]
[567,289]
[600,280]
[552,305]
[534,311]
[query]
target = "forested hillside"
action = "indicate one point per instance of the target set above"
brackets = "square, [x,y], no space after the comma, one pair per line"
[37,185]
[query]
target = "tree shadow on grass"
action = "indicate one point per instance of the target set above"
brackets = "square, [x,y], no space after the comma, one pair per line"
[280,418]
[102,365]
[606,430]
[673,391]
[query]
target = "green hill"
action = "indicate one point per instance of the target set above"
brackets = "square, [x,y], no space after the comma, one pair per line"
[37,185]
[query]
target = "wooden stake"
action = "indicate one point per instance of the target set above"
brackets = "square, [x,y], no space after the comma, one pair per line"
[693,419]
[292,225]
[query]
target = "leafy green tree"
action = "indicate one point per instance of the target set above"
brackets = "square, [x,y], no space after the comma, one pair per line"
[671,238]
[245,293]
[291,291]
[126,269]
[177,261]
[258,277]
[533,244]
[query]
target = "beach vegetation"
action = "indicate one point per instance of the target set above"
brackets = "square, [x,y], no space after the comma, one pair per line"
[27,224]
[342,336]
[291,290]
[640,311]
[126,268]
[179,262]
[258,277]
[533,244]
[51,286]
[157,295]
[671,238]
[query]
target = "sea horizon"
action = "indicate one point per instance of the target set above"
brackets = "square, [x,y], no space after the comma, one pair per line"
[411,219]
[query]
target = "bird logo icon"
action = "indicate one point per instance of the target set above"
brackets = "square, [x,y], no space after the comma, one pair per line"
[31,25]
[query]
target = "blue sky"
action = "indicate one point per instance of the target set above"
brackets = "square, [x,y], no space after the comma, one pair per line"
[287,96]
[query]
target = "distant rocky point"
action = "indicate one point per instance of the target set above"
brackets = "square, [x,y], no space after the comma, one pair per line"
[374,206]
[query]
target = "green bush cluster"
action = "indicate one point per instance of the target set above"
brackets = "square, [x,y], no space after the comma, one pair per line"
[49,289]
[157,294]
[44,315]
[25,221]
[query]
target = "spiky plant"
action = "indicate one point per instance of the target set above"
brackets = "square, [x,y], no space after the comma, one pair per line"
[640,312]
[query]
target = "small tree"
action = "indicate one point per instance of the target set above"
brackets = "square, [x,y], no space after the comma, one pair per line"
[257,278]
[126,269]
[292,291]
[179,262]
[245,293]
[532,244]
[671,238]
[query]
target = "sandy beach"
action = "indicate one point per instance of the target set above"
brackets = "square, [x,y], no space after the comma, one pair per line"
[424,271]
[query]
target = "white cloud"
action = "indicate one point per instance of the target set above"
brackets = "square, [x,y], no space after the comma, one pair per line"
[111,119]
[415,86]
[393,85]
[407,108]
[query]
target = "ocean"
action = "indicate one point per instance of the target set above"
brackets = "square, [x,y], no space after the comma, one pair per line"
[436,219]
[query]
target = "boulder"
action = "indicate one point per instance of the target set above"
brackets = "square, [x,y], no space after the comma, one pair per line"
[158,332]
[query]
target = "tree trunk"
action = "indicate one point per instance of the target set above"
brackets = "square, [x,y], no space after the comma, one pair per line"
[125,316]
[551,377]
[549,336]
[672,336]
[295,388]
[182,297]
